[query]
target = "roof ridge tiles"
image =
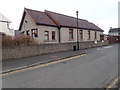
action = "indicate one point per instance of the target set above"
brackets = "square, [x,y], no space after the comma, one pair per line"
[66,15]
[59,14]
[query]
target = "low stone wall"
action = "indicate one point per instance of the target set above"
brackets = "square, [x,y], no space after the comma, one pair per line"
[14,52]
[90,44]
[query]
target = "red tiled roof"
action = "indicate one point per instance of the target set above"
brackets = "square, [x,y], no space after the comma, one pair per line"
[59,20]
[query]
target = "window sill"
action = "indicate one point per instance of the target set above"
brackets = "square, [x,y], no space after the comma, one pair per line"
[53,40]
[33,37]
[81,40]
[71,39]
[46,40]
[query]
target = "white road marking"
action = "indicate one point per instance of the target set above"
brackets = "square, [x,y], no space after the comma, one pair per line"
[104,47]
[99,48]
[108,47]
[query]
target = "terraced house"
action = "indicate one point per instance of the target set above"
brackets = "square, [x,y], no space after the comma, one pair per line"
[51,28]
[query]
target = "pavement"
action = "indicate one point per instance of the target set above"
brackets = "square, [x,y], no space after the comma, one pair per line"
[16,64]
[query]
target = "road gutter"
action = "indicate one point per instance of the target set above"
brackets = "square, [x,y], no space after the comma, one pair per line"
[114,82]
[41,64]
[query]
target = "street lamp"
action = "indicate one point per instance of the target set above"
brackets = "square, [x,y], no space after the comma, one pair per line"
[77,31]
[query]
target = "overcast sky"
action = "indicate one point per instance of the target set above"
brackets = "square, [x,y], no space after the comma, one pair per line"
[103,13]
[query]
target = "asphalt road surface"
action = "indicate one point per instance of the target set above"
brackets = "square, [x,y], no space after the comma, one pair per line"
[93,70]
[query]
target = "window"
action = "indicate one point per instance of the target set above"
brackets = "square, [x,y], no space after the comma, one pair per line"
[46,35]
[101,37]
[22,32]
[81,34]
[53,35]
[95,35]
[88,34]
[27,32]
[34,33]
[119,33]
[26,21]
[70,34]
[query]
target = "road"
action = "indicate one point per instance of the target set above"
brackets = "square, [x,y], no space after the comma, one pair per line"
[93,70]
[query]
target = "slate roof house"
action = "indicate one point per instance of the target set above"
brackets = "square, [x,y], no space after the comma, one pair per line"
[114,35]
[114,31]
[50,27]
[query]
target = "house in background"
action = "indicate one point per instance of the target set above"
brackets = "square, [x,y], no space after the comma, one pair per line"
[114,31]
[49,27]
[114,35]
[4,26]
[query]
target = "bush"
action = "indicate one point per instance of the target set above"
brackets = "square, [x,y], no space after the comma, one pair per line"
[17,40]
[6,40]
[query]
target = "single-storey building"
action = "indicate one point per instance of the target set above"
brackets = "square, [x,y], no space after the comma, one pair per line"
[49,27]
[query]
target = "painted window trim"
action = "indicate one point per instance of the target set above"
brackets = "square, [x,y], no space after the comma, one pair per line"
[95,35]
[101,37]
[46,40]
[72,34]
[54,36]
[81,34]
[34,33]
[89,35]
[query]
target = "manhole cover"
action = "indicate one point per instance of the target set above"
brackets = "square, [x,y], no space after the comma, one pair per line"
[54,56]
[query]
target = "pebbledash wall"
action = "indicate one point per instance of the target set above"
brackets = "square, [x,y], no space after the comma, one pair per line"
[15,52]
